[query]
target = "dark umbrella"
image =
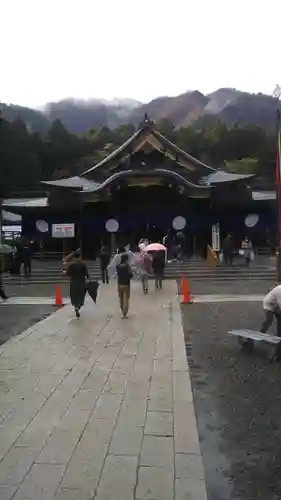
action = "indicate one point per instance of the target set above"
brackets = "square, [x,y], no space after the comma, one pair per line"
[92,289]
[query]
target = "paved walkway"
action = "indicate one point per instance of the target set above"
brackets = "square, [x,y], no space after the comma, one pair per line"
[102,407]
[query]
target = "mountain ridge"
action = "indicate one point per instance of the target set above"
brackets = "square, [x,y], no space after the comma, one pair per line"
[228,105]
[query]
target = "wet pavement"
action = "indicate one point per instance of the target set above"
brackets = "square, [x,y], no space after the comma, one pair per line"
[237,400]
[101,408]
[239,286]
[16,318]
[34,290]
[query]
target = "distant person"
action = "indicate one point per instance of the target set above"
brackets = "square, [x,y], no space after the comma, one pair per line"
[158,266]
[228,250]
[180,246]
[145,268]
[247,249]
[2,291]
[78,273]
[26,259]
[124,276]
[104,262]
[144,242]
[168,243]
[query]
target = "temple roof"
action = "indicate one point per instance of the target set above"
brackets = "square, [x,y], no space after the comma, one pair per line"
[184,167]
[147,134]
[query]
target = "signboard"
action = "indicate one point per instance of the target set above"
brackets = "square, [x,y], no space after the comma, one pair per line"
[216,244]
[63,230]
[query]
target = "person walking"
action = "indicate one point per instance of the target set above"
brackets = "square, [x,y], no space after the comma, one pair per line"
[158,266]
[145,268]
[104,262]
[247,250]
[78,273]
[272,309]
[124,276]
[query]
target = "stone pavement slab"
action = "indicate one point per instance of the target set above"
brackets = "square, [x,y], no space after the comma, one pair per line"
[100,408]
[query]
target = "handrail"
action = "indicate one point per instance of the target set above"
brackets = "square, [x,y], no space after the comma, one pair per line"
[212,259]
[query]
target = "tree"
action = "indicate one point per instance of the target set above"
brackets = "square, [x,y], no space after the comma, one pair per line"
[166,128]
[124,132]
[243,166]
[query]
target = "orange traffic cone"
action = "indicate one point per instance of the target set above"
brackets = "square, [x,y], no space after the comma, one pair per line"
[59,302]
[185,292]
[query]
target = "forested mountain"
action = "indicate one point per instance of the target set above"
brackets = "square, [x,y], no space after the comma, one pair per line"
[226,105]
[35,120]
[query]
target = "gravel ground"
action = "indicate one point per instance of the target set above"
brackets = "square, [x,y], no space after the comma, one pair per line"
[238,403]
[30,290]
[16,319]
[247,286]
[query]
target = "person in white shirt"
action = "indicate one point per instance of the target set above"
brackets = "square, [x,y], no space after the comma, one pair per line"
[272,308]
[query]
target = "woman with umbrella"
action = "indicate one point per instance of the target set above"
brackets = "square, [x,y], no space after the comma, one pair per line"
[144,265]
[158,262]
[78,273]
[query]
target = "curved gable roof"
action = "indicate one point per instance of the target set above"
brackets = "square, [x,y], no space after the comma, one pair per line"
[204,174]
[145,134]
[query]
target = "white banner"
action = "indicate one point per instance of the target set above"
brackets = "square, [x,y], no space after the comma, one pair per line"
[63,230]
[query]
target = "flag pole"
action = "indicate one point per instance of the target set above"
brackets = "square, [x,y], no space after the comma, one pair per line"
[277,94]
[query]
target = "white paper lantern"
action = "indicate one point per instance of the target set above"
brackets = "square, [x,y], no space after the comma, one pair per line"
[42,226]
[112,225]
[251,220]
[179,223]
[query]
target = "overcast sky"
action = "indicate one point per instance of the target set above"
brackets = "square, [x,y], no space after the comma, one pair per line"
[52,49]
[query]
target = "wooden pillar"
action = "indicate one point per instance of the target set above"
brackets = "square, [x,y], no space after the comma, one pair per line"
[113,243]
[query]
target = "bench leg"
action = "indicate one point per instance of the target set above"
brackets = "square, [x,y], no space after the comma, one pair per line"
[246,343]
[276,356]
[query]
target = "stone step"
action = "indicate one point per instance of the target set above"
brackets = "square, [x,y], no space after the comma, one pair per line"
[194,269]
[199,277]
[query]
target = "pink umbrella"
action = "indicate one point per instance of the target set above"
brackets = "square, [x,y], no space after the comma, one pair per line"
[155,247]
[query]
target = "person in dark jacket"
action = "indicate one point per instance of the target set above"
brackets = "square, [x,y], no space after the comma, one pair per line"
[78,273]
[228,250]
[104,261]
[158,266]
[124,276]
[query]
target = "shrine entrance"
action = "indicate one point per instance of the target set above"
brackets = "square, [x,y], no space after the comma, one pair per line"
[150,212]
